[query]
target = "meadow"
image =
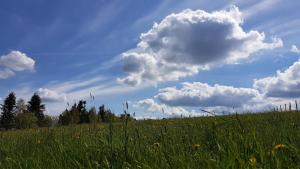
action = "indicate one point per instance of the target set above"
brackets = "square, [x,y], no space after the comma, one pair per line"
[266,140]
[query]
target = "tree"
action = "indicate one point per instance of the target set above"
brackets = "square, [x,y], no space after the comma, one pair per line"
[102,113]
[106,115]
[47,121]
[36,107]
[8,111]
[26,120]
[83,114]
[21,106]
[70,116]
[63,118]
[93,115]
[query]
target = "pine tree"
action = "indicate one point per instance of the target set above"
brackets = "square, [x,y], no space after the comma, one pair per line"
[8,111]
[83,114]
[102,113]
[36,107]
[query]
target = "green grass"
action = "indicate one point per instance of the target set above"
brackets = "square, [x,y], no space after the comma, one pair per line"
[244,141]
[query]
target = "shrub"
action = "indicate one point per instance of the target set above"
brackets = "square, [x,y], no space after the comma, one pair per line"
[46,122]
[26,120]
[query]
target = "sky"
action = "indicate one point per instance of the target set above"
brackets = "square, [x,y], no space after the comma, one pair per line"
[166,58]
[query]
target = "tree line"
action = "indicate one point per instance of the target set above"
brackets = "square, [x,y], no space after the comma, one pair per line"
[78,114]
[19,114]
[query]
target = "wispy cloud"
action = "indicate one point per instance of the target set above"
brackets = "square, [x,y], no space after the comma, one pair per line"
[259,7]
[58,94]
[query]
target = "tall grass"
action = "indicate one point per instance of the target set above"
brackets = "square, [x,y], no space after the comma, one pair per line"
[270,140]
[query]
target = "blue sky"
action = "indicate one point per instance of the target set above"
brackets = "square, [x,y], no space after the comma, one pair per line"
[68,49]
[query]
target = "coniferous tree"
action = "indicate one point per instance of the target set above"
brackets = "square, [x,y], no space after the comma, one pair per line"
[83,114]
[8,111]
[102,113]
[36,107]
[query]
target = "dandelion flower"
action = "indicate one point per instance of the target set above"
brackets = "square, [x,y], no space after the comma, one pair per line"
[196,146]
[279,146]
[253,161]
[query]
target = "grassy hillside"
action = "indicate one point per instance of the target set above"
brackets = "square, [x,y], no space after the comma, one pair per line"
[270,140]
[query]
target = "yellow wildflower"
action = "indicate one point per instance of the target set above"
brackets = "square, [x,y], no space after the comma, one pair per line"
[196,146]
[253,161]
[279,146]
[39,141]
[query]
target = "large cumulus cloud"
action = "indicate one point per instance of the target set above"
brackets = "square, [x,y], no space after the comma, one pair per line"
[284,84]
[203,95]
[182,44]
[192,98]
[15,61]
[266,94]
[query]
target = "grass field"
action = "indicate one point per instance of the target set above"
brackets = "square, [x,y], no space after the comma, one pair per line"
[270,140]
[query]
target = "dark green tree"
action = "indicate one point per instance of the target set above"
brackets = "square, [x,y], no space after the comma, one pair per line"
[106,115]
[70,116]
[8,111]
[47,121]
[83,113]
[93,115]
[102,113]
[36,107]
[64,118]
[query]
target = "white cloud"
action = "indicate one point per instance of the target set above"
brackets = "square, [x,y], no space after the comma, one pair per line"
[48,95]
[15,61]
[284,84]
[259,7]
[6,73]
[155,107]
[151,105]
[203,95]
[295,49]
[182,44]
[192,98]
[146,117]
[57,94]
